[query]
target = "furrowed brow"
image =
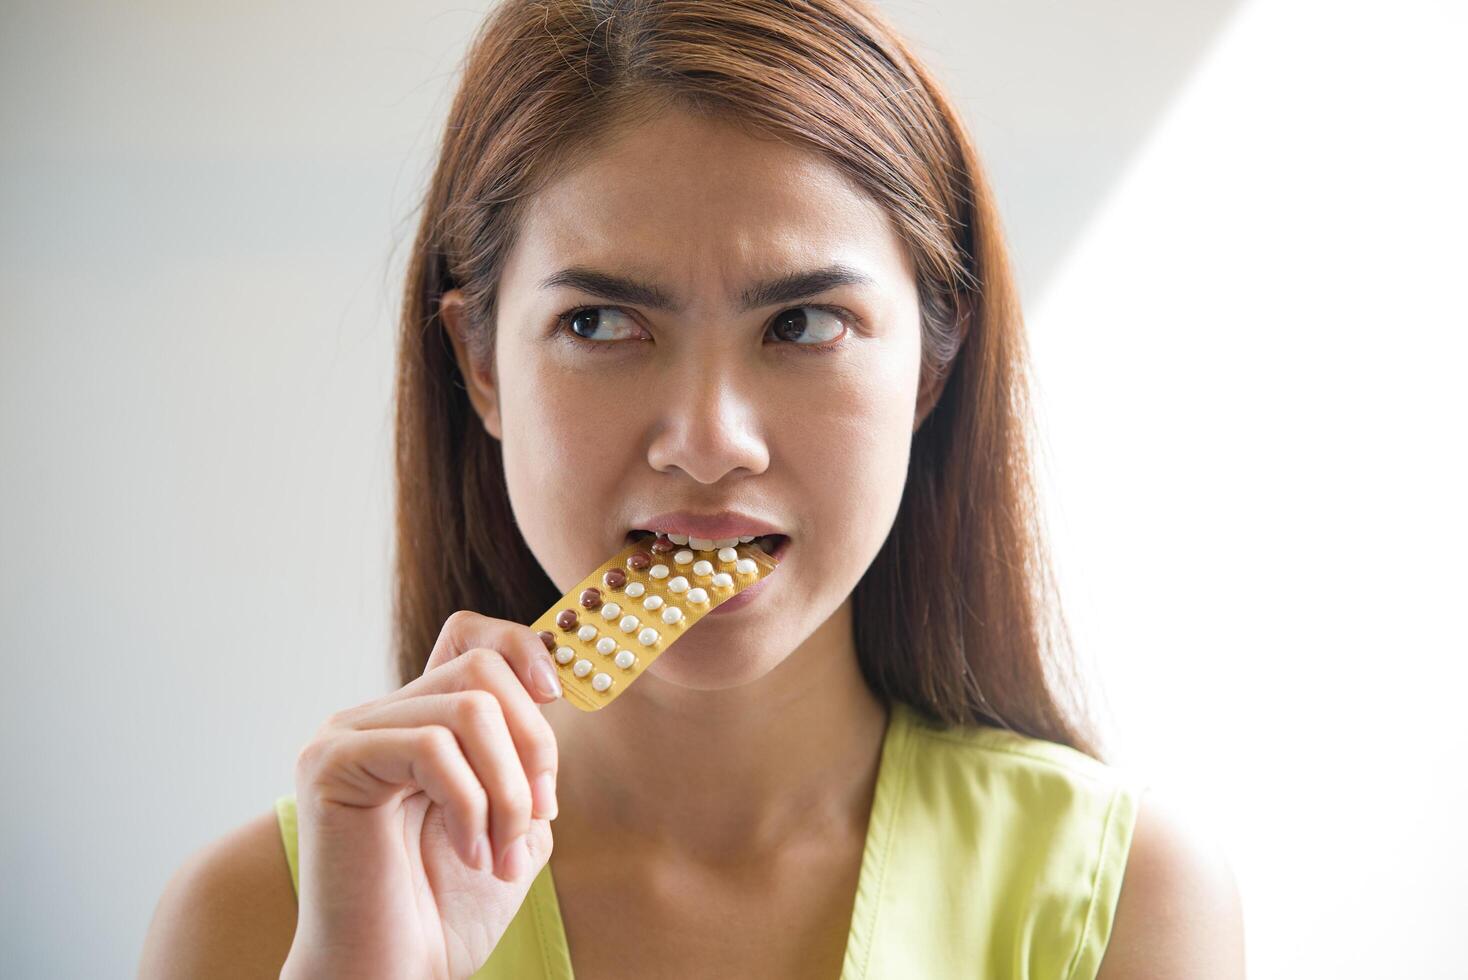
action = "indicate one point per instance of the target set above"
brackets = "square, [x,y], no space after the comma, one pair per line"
[783,289]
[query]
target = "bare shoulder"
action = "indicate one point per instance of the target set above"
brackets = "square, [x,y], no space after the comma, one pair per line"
[1179,912]
[228,911]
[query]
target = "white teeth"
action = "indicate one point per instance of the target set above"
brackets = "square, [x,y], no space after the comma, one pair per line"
[712,544]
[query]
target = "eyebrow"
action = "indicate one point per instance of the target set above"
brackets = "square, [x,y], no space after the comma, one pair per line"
[783,289]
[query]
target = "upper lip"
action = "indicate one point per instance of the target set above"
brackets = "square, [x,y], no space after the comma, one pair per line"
[725,524]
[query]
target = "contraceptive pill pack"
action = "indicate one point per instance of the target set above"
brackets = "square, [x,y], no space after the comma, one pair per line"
[606,631]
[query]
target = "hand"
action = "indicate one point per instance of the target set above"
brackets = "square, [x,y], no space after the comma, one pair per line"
[402,802]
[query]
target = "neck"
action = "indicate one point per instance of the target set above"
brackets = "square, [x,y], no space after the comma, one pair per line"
[740,771]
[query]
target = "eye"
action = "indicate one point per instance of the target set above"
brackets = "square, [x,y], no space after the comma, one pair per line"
[586,321]
[822,330]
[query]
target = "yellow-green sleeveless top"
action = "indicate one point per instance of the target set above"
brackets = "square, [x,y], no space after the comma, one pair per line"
[988,854]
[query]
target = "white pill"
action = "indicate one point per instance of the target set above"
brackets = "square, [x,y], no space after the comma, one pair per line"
[582,668]
[683,557]
[635,589]
[601,682]
[728,554]
[672,614]
[726,542]
[698,596]
[746,566]
[678,538]
[611,611]
[746,538]
[703,568]
[658,571]
[678,584]
[652,602]
[701,544]
[628,624]
[624,659]
[606,645]
[647,637]
[723,580]
[587,633]
[564,655]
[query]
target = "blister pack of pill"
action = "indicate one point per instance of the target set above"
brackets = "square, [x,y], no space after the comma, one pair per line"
[606,631]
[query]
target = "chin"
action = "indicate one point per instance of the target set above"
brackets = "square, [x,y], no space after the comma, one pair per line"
[711,665]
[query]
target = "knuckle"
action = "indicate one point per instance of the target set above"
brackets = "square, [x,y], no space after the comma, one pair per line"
[476,709]
[308,759]
[480,666]
[435,741]
[317,757]
[511,799]
[337,719]
[458,621]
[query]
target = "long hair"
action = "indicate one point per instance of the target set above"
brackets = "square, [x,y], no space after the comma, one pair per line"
[957,614]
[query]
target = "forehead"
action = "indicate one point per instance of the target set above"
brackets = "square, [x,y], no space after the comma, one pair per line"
[683,200]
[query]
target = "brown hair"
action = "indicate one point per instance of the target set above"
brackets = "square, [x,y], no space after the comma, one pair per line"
[976,638]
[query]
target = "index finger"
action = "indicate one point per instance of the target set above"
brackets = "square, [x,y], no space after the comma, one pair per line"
[526,652]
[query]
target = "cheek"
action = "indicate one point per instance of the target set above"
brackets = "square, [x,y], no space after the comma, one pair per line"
[850,451]
[557,479]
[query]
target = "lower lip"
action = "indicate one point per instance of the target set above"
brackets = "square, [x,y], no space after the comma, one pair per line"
[741,598]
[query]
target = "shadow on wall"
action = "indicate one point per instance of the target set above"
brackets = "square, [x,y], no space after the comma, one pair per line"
[1060,96]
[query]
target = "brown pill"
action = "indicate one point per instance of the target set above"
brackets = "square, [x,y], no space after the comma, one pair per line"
[549,639]
[639,560]
[663,546]
[566,620]
[614,579]
[591,598]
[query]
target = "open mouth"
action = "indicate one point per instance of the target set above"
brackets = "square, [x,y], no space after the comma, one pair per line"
[773,545]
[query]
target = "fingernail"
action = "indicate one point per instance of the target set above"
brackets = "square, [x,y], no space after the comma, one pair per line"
[545,677]
[543,791]
[516,860]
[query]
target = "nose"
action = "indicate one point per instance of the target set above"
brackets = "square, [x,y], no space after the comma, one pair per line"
[711,431]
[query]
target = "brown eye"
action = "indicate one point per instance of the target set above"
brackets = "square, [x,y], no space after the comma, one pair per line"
[806,330]
[585,321]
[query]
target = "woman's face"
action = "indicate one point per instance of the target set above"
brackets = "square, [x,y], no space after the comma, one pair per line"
[796,409]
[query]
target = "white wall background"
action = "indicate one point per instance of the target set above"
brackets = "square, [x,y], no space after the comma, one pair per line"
[1239,230]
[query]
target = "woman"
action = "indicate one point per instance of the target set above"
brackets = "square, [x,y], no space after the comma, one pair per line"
[712,268]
